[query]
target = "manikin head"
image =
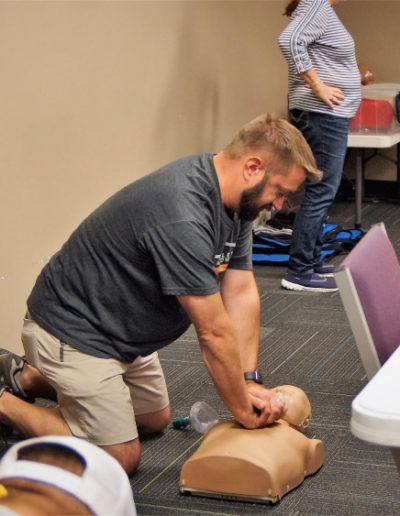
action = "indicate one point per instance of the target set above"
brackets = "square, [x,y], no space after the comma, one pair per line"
[298,411]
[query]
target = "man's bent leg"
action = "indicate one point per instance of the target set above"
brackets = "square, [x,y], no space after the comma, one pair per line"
[153,422]
[98,397]
[34,421]
[35,384]
[149,394]
[31,420]
[127,454]
[22,379]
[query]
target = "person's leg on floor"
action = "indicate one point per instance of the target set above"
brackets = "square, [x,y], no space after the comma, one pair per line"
[31,420]
[22,379]
[327,137]
[149,394]
[95,396]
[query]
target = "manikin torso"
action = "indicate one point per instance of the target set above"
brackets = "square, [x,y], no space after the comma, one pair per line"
[256,465]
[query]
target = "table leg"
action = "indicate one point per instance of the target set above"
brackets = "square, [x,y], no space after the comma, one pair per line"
[396,457]
[398,171]
[359,187]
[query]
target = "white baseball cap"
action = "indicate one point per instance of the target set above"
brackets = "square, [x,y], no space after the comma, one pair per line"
[103,486]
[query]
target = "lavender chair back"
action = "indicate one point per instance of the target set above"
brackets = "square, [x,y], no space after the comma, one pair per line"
[369,286]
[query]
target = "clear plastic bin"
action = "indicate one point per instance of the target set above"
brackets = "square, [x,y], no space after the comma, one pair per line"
[377,111]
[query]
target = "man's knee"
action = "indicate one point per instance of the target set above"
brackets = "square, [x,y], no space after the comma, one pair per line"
[154,422]
[127,454]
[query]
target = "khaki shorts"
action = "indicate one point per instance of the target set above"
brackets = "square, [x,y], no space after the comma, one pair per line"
[98,397]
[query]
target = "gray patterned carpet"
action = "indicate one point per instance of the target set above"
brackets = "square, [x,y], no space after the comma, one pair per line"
[306,341]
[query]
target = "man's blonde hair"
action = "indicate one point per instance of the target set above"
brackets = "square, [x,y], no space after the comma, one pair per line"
[276,137]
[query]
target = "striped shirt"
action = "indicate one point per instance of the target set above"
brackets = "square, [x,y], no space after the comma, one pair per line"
[316,38]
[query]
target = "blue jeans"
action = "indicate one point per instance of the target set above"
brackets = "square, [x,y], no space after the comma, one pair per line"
[327,137]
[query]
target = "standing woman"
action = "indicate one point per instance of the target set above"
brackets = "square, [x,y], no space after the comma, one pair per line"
[324,94]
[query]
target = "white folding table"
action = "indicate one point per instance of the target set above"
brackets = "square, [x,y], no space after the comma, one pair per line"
[375,411]
[361,141]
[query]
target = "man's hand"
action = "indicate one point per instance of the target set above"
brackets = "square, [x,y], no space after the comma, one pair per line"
[267,407]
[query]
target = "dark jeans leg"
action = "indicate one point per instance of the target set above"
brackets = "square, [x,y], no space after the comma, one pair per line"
[327,137]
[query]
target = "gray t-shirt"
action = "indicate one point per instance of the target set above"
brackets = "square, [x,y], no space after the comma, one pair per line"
[111,289]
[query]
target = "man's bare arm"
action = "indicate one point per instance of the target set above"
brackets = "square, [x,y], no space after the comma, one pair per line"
[242,301]
[222,355]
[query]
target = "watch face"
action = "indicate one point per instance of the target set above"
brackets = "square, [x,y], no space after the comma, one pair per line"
[254,376]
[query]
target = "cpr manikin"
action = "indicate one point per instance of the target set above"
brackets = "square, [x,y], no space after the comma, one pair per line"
[259,465]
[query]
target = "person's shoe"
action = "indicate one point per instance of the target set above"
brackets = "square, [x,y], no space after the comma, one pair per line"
[11,366]
[324,269]
[312,283]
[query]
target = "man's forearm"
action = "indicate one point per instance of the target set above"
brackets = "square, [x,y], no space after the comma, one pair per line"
[221,356]
[221,353]
[242,304]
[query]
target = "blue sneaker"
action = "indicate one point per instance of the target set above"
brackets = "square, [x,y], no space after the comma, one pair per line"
[311,283]
[324,269]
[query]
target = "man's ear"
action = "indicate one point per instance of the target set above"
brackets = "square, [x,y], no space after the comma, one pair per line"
[253,167]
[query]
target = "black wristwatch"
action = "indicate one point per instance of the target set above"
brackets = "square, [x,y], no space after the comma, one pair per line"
[254,376]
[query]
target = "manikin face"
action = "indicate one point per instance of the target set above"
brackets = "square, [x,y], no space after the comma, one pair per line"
[271,191]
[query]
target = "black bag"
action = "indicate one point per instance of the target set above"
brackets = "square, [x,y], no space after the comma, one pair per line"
[272,246]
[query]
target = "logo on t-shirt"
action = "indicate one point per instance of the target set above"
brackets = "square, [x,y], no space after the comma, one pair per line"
[222,260]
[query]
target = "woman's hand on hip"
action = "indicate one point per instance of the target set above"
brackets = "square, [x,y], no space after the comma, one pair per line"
[328,94]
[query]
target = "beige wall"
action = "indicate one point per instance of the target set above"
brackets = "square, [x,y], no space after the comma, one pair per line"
[374,27]
[95,94]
